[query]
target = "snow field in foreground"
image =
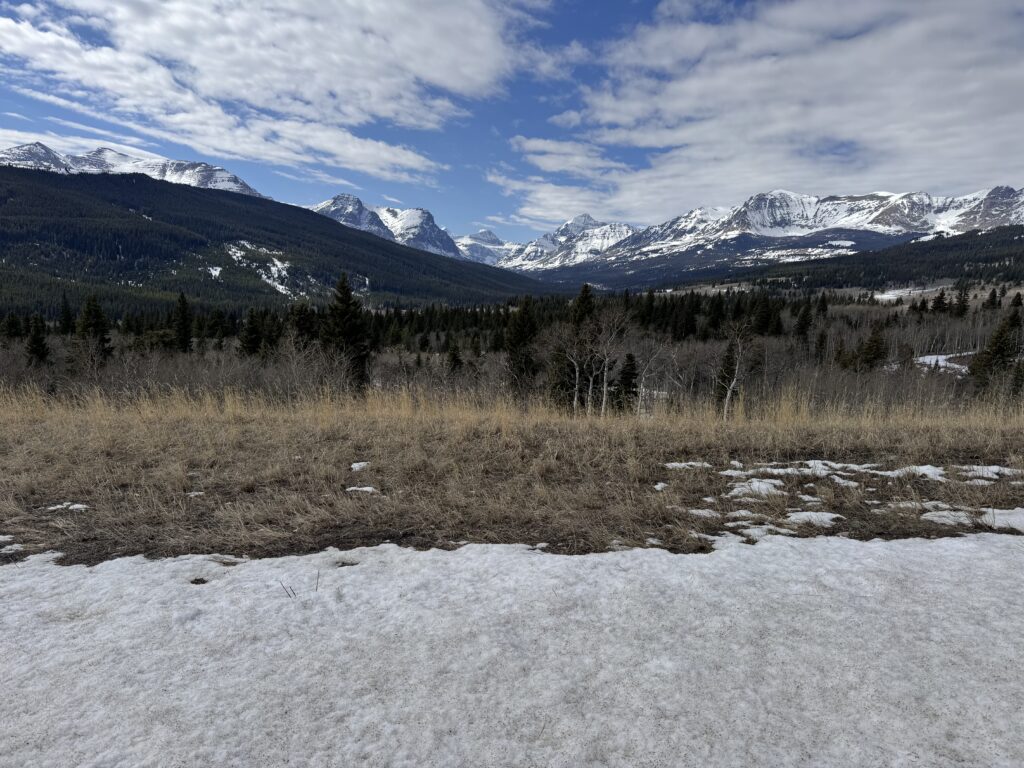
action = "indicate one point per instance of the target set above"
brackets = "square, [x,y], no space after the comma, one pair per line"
[793,652]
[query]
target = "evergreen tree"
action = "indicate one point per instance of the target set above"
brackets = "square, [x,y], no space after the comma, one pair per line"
[822,305]
[939,303]
[763,315]
[626,385]
[11,327]
[821,345]
[344,331]
[962,303]
[454,357]
[250,338]
[66,324]
[93,328]
[583,307]
[873,351]
[803,320]
[1017,381]
[303,321]
[1017,300]
[522,330]
[181,322]
[1001,351]
[36,347]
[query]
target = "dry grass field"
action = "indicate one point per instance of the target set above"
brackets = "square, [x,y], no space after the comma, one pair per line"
[96,477]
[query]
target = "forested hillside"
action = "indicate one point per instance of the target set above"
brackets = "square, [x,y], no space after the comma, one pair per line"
[996,257]
[137,242]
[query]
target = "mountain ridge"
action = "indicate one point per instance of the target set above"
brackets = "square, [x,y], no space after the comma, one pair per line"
[38,156]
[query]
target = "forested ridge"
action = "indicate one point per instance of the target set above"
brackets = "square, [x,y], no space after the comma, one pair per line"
[136,240]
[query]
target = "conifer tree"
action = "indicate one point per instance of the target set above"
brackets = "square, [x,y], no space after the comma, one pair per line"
[803,320]
[454,357]
[939,303]
[303,321]
[522,330]
[250,338]
[1017,381]
[93,328]
[36,348]
[181,321]
[583,306]
[962,303]
[822,308]
[11,327]
[873,351]
[66,324]
[1001,351]
[626,385]
[344,331]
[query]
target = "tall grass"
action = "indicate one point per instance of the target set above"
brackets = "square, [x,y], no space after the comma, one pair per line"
[272,472]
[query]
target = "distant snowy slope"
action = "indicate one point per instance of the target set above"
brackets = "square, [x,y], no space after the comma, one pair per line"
[416,228]
[350,211]
[103,160]
[582,238]
[485,246]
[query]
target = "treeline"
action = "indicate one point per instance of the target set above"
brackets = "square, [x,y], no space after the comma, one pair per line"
[590,354]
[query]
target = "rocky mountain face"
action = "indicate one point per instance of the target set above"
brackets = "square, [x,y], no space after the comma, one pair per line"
[578,240]
[38,156]
[350,211]
[485,247]
[416,228]
[781,224]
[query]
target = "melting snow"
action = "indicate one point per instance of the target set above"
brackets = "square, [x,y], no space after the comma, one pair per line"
[821,519]
[687,465]
[495,655]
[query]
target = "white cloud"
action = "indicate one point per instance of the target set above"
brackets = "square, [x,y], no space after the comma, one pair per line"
[122,137]
[822,96]
[285,81]
[69,143]
[316,176]
[574,158]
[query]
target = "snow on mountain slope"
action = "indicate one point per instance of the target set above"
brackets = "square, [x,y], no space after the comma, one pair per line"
[38,156]
[580,239]
[785,215]
[350,211]
[485,247]
[416,228]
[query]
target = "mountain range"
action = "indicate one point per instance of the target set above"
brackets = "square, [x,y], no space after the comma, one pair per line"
[776,226]
[103,160]
[768,227]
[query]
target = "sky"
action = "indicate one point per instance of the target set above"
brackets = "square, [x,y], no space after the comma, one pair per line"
[516,115]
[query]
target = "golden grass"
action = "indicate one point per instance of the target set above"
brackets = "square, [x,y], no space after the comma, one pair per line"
[273,474]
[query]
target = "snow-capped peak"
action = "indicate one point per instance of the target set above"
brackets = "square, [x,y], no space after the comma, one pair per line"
[349,210]
[38,156]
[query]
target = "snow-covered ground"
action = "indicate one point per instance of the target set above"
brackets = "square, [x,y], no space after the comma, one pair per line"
[791,652]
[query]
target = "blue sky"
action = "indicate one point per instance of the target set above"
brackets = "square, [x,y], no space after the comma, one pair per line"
[517,115]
